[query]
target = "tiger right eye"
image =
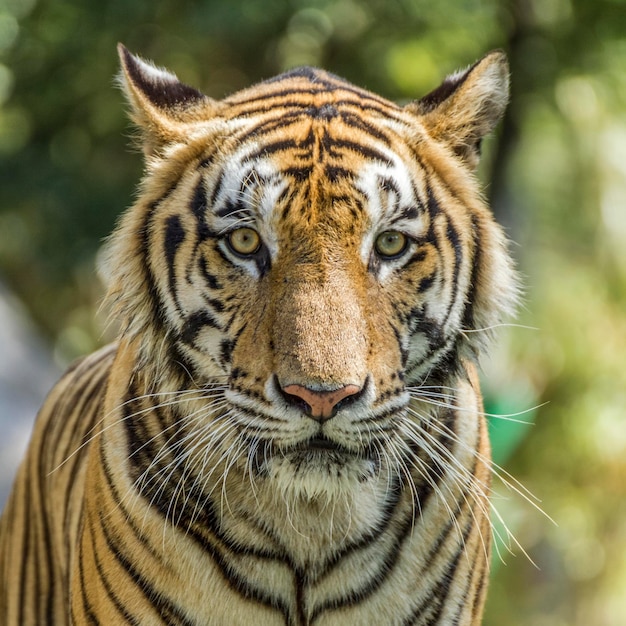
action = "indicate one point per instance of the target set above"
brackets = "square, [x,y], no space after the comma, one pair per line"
[391,244]
[244,241]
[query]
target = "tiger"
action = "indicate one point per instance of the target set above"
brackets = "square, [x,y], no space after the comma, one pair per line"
[289,429]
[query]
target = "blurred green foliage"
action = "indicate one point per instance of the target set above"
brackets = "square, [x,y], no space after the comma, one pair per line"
[558,183]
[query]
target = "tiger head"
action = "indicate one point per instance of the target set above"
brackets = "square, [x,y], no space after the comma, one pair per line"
[316,252]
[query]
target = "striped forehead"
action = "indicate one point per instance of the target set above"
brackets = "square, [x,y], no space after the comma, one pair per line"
[330,140]
[250,185]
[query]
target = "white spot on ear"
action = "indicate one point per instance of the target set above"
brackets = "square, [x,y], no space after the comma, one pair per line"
[155,74]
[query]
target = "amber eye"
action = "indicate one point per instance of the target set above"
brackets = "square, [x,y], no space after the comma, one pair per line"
[244,241]
[390,244]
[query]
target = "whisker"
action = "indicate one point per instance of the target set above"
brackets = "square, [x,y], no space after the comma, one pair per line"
[202,396]
[494,326]
[434,400]
[501,474]
[468,483]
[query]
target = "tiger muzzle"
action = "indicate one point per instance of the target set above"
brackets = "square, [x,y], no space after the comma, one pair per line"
[321,343]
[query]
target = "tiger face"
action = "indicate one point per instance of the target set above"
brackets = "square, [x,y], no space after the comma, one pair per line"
[318,253]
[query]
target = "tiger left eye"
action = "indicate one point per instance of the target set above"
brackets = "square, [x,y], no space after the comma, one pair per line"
[390,244]
[244,241]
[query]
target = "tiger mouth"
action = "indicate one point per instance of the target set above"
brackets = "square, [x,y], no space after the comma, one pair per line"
[321,442]
[317,452]
[322,447]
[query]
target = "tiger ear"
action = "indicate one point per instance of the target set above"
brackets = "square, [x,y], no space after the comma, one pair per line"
[161,105]
[467,105]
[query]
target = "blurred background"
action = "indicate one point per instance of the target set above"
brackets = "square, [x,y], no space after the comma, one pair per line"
[555,174]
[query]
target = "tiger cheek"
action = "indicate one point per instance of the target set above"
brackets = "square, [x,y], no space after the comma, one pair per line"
[386,355]
[252,357]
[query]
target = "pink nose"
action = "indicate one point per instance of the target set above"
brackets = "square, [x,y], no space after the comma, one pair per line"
[322,404]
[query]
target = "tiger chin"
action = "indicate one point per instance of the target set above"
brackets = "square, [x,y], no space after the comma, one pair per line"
[289,428]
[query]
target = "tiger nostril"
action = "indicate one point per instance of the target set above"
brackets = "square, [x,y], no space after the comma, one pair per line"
[320,405]
[297,402]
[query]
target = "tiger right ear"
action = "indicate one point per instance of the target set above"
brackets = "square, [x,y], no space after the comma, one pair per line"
[161,105]
[467,106]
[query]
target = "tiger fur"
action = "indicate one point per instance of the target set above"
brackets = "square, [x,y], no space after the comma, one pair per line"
[289,429]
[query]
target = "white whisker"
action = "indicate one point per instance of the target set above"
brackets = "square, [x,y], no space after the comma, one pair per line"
[494,326]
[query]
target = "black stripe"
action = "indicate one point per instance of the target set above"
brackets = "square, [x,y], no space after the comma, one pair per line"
[267,126]
[452,236]
[143,235]
[464,602]
[383,568]
[300,174]
[180,363]
[38,528]
[470,300]
[409,213]
[129,619]
[426,282]
[146,445]
[442,590]
[235,207]
[390,507]
[217,305]
[156,597]
[363,125]
[439,593]
[88,417]
[195,323]
[128,518]
[390,560]
[335,173]
[303,97]
[300,110]
[206,524]
[404,353]
[226,351]
[198,207]
[333,145]
[217,188]
[228,345]
[27,552]
[432,204]
[443,361]
[478,595]
[299,585]
[210,279]
[79,400]
[87,609]
[282,144]
[174,239]
[430,328]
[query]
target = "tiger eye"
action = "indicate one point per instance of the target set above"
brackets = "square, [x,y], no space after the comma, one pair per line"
[244,241]
[390,244]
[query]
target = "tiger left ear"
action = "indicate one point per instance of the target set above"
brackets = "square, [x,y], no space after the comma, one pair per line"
[161,105]
[467,105]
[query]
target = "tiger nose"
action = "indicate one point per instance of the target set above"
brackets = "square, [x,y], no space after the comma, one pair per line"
[320,405]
